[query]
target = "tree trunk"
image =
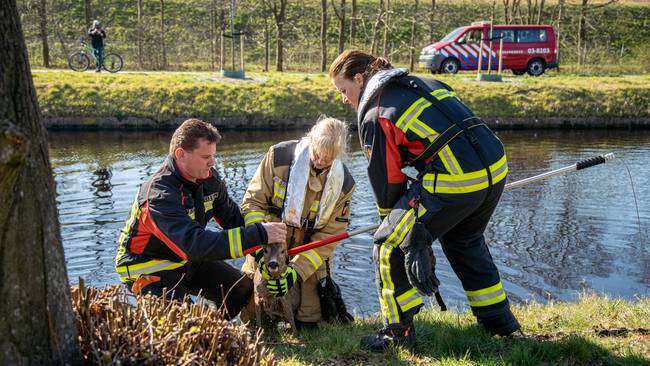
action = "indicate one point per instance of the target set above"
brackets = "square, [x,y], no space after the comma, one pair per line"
[37,326]
[88,13]
[279,11]
[341,17]
[414,30]
[211,36]
[222,31]
[353,23]
[432,25]
[162,35]
[42,23]
[375,32]
[266,43]
[140,35]
[385,47]
[539,12]
[323,35]
[59,36]
[582,30]
[559,32]
[506,17]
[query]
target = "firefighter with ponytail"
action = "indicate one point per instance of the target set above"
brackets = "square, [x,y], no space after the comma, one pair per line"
[409,121]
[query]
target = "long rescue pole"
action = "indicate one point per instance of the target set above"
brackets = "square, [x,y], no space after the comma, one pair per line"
[583,164]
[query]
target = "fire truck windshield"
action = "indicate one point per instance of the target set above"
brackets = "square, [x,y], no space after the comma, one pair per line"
[452,35]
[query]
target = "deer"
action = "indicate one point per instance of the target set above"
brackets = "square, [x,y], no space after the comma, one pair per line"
[276,260]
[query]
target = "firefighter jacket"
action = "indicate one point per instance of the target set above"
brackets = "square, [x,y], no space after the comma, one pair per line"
[397,124]
[264,201]
[166,225]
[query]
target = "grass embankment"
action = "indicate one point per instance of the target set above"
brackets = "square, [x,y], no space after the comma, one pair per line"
[594,331]
[278,100]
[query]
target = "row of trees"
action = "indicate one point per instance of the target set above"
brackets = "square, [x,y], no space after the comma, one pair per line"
[164,34]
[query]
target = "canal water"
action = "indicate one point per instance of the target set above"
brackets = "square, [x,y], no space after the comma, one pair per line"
[556,239]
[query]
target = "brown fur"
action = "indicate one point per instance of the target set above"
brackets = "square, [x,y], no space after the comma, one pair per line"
[283,308]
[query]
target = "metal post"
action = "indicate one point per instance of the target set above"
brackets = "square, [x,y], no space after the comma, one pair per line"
[232,32]
[490,52]
[480,60]
[241,49]
[500,54]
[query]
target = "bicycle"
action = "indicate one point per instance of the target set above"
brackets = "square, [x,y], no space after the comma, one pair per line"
[79,61]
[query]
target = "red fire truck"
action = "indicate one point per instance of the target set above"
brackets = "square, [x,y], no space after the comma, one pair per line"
[526,48]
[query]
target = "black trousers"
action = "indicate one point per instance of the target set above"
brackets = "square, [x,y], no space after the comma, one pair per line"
[458,221]
[217,281]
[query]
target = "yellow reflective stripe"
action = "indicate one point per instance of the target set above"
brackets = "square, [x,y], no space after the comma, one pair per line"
[253,217]
[466,182]
[234,241]
[383,211]
[409,299]
[487,296]
[411,113]
[401,229]
[126,231]
[386,298]
[313,257]
[132,272]
[449,160]
[278,190]
[422,130]
[207,205]
[315,206]
[389,305]
[441,94]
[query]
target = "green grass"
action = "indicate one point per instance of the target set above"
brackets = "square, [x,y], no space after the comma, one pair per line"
[595,330]
[274,98]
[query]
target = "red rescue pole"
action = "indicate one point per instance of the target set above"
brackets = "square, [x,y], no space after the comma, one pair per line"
[320,243]
[586,163]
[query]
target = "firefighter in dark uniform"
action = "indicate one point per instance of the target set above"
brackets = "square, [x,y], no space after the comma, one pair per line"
[164,243]
[408,121]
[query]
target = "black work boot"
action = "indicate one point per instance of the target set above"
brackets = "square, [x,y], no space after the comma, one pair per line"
[503,324]
[394,334]
[300,325]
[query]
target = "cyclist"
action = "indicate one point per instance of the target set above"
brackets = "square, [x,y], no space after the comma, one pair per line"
[97,35]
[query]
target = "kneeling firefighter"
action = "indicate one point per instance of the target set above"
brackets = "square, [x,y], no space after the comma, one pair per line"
[304,184]
[409,121]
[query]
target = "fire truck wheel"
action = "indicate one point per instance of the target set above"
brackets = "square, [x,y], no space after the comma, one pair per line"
[518,72]
[536,67]
[450,66]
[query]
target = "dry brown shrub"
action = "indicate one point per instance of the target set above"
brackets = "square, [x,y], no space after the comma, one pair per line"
[117,328]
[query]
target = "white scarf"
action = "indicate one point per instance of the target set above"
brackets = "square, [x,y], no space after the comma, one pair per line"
[298,183]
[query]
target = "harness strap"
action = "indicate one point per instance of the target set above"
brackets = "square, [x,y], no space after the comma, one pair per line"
[420,88]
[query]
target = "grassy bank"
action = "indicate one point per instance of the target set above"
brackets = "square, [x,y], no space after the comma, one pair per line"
[294,99]
[593,331]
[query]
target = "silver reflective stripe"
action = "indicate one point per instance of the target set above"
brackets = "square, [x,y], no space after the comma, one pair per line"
[423,132]
[421,103]
[486,296]
[315,258]
[153,268]
[467,182]
[450,161]
[406,301]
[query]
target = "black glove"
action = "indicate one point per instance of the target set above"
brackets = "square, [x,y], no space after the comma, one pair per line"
[419,260]
[331,302]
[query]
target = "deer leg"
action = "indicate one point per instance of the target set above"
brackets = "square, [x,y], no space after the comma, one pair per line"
[288,314]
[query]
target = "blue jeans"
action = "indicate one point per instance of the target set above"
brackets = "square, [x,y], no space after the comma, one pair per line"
[99,55]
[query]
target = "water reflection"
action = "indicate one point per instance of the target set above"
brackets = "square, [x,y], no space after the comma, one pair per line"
[552,239]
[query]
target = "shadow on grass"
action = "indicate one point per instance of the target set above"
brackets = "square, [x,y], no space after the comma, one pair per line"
[440,342]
